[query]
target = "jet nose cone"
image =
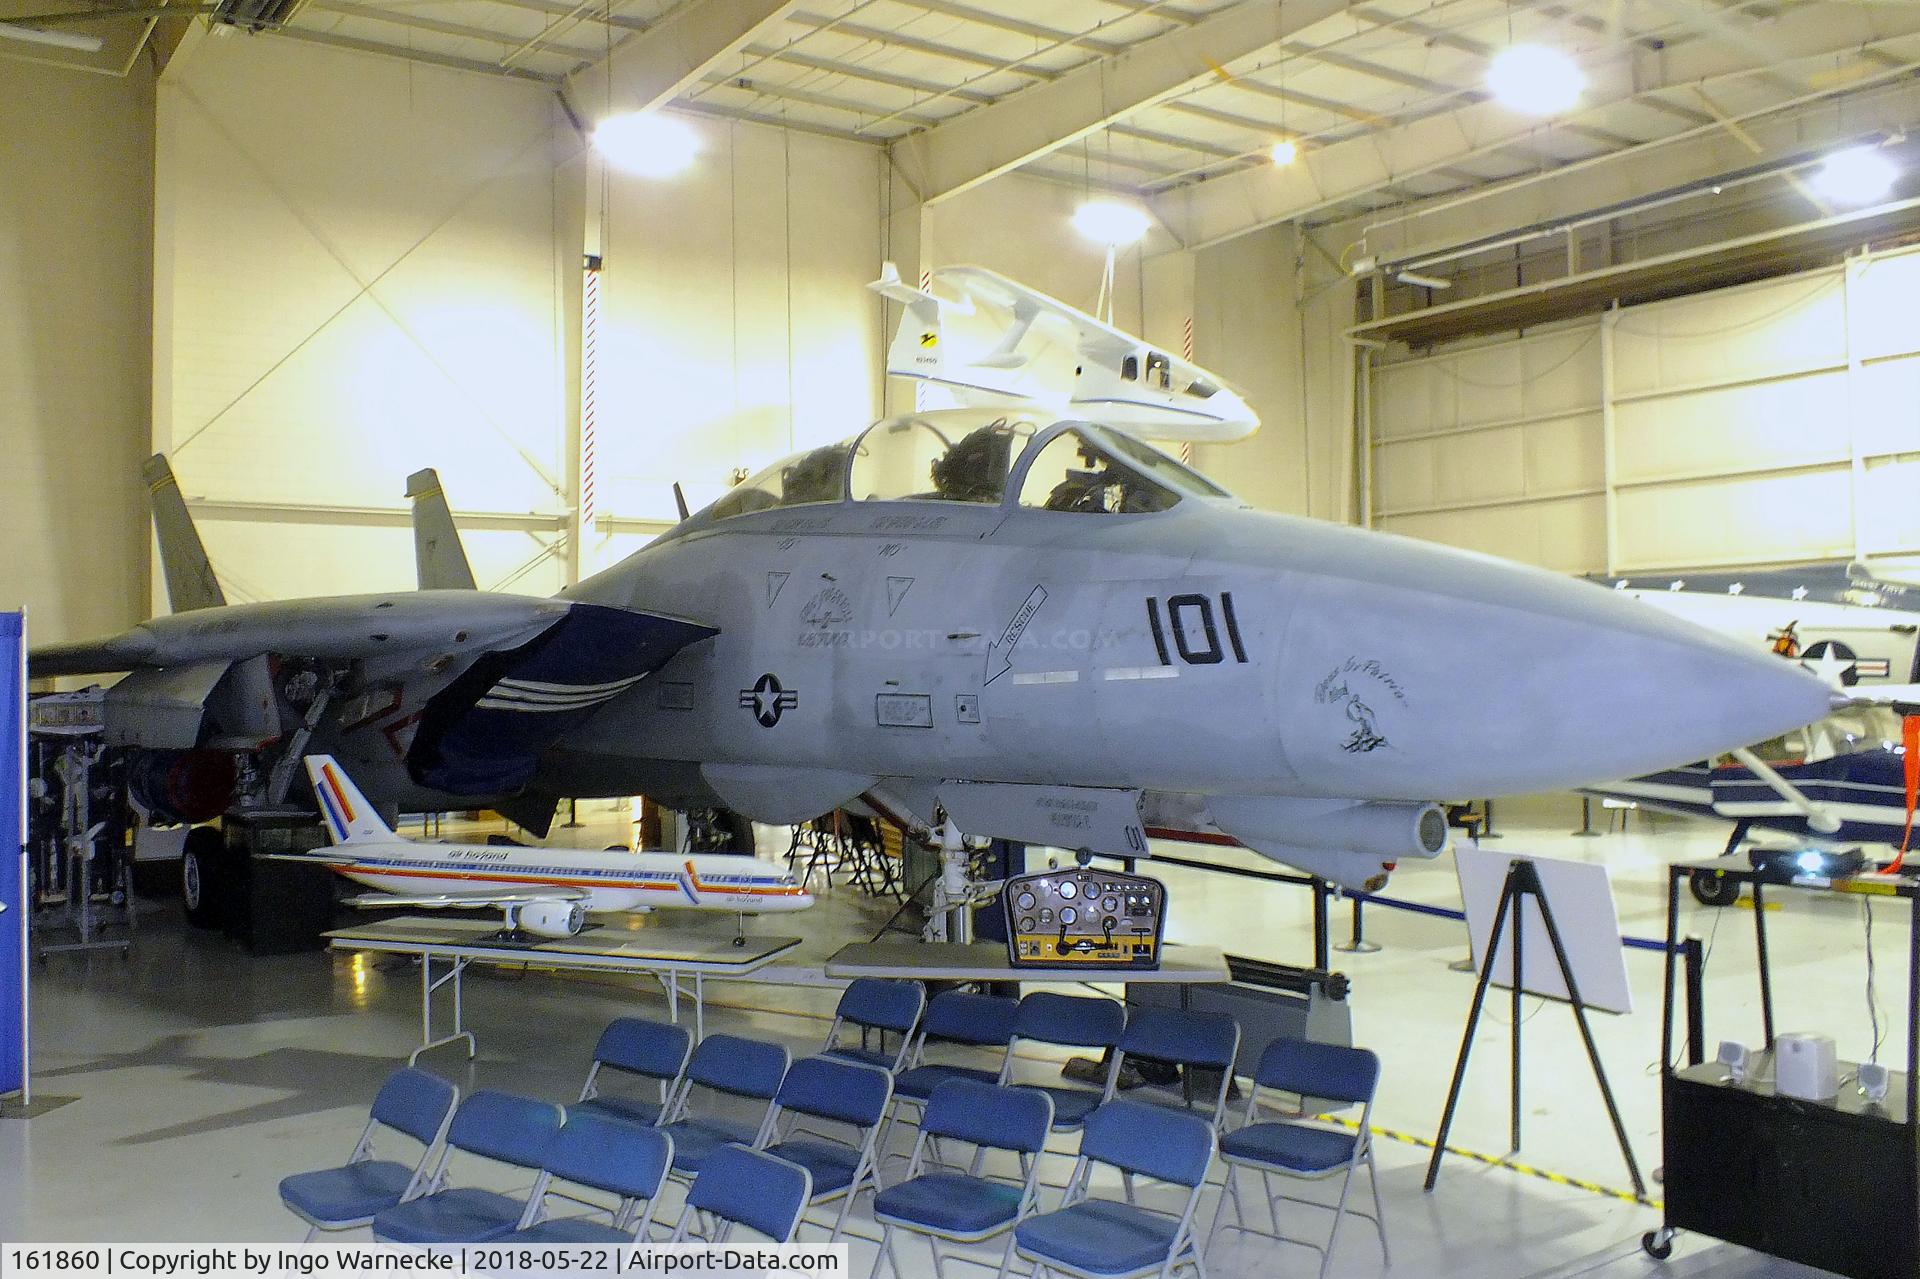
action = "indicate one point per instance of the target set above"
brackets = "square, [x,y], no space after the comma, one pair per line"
[1447,675]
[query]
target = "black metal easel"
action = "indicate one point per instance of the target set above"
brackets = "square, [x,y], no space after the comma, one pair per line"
[1523,881]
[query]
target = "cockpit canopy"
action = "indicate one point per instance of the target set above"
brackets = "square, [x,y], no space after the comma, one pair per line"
[981,457]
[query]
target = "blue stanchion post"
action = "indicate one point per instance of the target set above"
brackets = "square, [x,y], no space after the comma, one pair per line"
[13,856]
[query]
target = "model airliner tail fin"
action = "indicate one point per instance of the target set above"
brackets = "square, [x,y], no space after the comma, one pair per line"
[348,815]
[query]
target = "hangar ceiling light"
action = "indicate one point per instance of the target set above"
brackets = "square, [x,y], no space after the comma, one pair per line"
[647,143]
[1535,79]
[1858,175]
[1110,222]
[1285,152]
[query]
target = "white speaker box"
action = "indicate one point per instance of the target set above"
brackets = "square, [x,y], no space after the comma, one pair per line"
[1805,1066]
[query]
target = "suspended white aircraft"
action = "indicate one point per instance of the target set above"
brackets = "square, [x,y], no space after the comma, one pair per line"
[993,341]
[545,891]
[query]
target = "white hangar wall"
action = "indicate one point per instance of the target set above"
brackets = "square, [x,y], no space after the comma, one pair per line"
[76,199]
[1771,423]
[1495,446]
[1269,318]
[734,323]
[355,275]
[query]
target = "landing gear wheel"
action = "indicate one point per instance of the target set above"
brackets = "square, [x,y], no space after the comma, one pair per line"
[1658,1244]
[739,941]
[1711,888]
[202,876]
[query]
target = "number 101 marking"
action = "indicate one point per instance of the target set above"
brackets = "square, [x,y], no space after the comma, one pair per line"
[1186,614]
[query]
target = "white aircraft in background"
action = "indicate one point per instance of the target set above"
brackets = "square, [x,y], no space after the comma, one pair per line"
[1841,622]
[545,891]
[993,341]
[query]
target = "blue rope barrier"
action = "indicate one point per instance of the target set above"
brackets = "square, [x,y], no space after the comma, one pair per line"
[1416,908]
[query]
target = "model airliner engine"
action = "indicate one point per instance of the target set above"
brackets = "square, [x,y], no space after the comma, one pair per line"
[551,919]
[1084,918]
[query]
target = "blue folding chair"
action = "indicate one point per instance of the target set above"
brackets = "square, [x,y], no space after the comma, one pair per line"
[498,1126]
[1071,1021]
[1189,1040]
[730,1065]
[613,1156]
[1301,1148]
[751,1188]
[1110,1239]
[411,1102]
[840,1092]
[651,1050]
[877,1004]
[966,1207]
[953,1017]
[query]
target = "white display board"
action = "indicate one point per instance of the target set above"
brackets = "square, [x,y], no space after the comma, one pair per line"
[1581,895]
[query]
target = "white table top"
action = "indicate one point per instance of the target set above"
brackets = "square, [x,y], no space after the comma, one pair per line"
[603,947]
[987,961]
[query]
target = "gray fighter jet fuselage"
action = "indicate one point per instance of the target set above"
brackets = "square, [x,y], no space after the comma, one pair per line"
[1094,620]
[1037,628]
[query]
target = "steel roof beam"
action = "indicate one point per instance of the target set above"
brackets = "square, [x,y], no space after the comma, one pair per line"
[453,30]
[681,50]
[1013,25]
[872,75]
[791,93]
[902,40]
[564,9]
[988,141]
[1221,208]
[415,55]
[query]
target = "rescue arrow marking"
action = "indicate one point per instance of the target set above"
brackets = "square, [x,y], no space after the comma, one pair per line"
[1000,652]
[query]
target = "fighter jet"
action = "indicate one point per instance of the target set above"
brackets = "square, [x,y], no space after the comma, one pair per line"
[1022,623]
[548,892]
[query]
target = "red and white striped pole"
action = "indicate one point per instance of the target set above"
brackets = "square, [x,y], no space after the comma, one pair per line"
[920,385]
[589,371]
[1186,353]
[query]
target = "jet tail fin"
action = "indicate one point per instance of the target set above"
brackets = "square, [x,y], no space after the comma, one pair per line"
[191,583]
[438,556]
[349,817]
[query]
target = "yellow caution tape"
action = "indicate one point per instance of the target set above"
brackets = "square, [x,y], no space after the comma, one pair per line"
[1496,1161]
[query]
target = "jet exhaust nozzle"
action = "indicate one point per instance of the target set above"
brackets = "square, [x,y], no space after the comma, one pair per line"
[1386,831]
[182,786]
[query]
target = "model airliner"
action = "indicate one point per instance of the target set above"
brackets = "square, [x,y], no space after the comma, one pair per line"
[548,892]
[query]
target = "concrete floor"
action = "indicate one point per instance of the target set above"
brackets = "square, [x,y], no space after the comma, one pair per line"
[200,1076]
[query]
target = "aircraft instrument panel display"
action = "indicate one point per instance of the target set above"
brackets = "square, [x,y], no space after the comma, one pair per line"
[1080,917]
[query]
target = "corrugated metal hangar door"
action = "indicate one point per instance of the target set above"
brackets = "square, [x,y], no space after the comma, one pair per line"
[1771,423]
[1497,447]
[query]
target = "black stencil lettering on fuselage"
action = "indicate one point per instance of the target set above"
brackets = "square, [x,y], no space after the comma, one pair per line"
[1233,626]
[1212,653]
[1159,636]
[1180,610]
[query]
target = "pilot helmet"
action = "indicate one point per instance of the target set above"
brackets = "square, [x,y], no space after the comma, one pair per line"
[975,469]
